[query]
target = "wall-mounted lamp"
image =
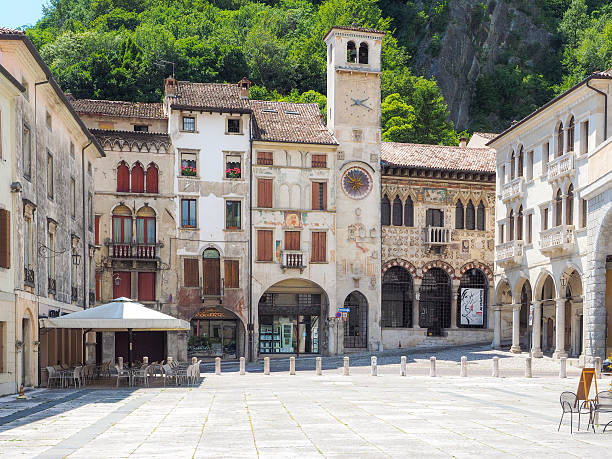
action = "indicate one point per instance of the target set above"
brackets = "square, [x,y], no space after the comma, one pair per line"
[117,280]
[76,259]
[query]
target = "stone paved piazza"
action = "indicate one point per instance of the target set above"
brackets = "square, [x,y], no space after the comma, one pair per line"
[311,416]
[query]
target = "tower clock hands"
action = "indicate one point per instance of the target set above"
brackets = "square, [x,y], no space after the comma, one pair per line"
[360,102]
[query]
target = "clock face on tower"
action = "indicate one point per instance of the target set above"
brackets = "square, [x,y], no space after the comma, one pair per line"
[356,182]
[357,103]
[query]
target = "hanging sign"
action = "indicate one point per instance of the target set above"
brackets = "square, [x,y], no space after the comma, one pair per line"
[472,306]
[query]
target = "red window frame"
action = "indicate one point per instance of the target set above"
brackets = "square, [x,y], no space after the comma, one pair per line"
[123,219]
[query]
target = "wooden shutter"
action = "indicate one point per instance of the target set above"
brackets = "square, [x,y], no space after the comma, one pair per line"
[146,286]
[123,178]
[211,275]
[319,160]
[5,238]
[264,158]
[98,297]
[315,195]
[292,240]
[264,245]
[319,202]
[97,230]
[319,246]
[232,278]
[264,193]
[137,179]
[324,204]
[191,276]
[152,179]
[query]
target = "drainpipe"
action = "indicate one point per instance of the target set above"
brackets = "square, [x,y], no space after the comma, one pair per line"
[250,325]
[85,226]
[605,108]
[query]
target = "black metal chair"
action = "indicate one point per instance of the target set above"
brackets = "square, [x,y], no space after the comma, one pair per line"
[570,404]
[601,404]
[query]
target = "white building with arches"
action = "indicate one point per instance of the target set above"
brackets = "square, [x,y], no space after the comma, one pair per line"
[545,236]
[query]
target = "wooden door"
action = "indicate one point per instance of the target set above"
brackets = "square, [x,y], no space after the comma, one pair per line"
[146,286]
[212,279]
[122,284]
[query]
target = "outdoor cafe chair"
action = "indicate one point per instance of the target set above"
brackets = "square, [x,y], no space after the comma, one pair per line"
[169,373]
[570,404]
[123,373]
[54,375]
[601,404]
[141,373]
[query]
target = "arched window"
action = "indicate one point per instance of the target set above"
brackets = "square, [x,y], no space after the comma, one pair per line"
[570,135]
[459,215]
[559,140]
[397,296]
[152,179]
[512,164]
[408,212]
[211,272]
[558,208]
[397,212]
[435,301]
[385,211]
[470,217]
[363,53]
[480,216]
[137,178]
[511,226]
[122,224]
[519,224]
[145,225]
[520,160]
[123,177]
[472,300]
[351,52]
[569,220]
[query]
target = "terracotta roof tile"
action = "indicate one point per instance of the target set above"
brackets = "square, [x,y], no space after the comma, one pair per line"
[438,157]
[289,122]
[356,29]
[9,31]
[119,108]
[218,96]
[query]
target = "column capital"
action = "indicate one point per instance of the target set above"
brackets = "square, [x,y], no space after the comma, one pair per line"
[496,307]
[560,301]
[516,306]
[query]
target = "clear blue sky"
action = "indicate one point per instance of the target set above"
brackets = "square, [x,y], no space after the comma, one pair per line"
[16,13]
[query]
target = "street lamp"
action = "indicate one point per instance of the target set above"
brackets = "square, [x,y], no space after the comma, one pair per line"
[76,258]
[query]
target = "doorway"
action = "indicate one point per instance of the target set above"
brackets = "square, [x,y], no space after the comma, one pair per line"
[356,327]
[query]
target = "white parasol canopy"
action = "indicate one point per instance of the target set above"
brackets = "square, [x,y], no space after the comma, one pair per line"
[121,314]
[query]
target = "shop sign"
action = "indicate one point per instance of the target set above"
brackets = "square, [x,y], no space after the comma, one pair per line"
[213,313]
[344,309]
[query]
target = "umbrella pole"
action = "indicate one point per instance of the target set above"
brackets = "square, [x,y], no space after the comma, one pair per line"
[129,348]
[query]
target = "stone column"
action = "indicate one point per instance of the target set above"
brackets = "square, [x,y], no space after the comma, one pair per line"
[455,290]
[545,335]
[416,304]
[516,322]
[496,344]
[564,208]
[536,348]
[560,329]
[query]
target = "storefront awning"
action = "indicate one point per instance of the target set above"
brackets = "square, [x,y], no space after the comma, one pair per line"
[121,314]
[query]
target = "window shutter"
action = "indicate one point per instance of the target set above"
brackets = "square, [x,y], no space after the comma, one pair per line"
[123,178]
[137,179]
[319,246]
[5,238]
[292,240]
[97,230]
[191,277]
[324,185]
[264,245]
[231,274]
[315,196]
[211,275]
[152,179]
[264,193]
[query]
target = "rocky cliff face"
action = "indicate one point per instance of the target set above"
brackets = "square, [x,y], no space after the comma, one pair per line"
[478,36]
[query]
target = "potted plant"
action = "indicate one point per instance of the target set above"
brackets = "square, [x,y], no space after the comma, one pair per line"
[189,171]
[233,172]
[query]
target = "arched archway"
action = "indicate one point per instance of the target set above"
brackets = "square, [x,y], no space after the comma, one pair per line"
[525,299]
[397,295]
[435,301]
[356,327]
[545,292]
[473,299]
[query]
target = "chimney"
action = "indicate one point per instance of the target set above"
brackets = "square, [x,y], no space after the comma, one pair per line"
[170,86]
[462,142]
[244,85]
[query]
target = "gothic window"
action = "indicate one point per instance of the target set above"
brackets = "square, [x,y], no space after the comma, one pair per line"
[351,52]
[569,220]
[385,211]
[470,218]
[512,164]
[123,177]
[480,217]
[511,226]
[520,160]
[435,302]
[363,53]
[559,140]
[570,135]
[397,294]
[137,178]
[408,212]
[519,224]
[397,212]
[558,208]
[459,215]
[152,178]
[145,225]
[434,217]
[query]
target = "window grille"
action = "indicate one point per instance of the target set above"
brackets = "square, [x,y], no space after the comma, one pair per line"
[356,327]
[435,302]
[397,295]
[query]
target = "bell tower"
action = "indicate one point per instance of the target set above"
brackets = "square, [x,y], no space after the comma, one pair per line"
[353,116]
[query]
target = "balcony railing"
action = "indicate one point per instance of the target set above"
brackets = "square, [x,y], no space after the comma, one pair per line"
[28,276]
[557,240]
[562,166]
[292,259]
[51,285]
[74,294]
[134,250]
[437,235]
[509,253]
[514,189]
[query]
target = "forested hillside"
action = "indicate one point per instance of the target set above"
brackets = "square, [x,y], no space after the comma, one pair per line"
[447,64]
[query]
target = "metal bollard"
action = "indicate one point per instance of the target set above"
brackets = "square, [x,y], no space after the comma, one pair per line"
[217,365]
[120,362]
[528,372]
[463,366]
[374,365]
[495,367]
[598,366]
[291,365]
[563,367]
[242,365]
[403,366]
[266,365]
[318,366]
[432,366]
[145,360]
[346,366]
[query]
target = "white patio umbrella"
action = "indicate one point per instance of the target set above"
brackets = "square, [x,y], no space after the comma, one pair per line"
[121,314]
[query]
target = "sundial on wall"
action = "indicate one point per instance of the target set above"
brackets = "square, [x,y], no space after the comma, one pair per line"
[356,182]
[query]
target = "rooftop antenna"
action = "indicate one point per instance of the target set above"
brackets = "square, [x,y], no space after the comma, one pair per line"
[162,63]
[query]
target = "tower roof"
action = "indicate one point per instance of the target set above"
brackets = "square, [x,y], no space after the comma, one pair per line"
[355,29]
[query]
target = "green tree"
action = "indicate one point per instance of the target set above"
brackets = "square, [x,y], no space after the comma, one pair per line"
[398,120]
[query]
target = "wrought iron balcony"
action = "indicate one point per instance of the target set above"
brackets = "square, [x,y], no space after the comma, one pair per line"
[292,259]
[437,235]
[557,240]
[133,250]
[509,253]
[51,285]
[564,165]
[514,189]
[75,294]
[28,276]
